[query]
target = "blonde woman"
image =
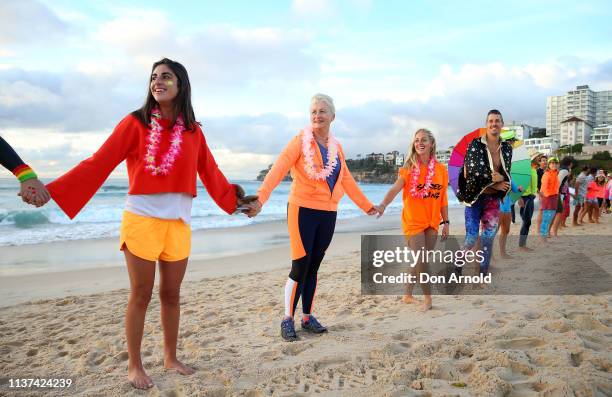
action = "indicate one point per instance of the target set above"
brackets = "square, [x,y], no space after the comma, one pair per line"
[424,182]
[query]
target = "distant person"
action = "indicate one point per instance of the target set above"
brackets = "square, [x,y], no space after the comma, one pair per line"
[599,188]
[482,183]
[424,183]
[608,192]
[549,196]
[580,189]
[165,151]
[31,189]
[528,197]
[563,207]
[506,205]
[541,169]
[590,195]
[320,179]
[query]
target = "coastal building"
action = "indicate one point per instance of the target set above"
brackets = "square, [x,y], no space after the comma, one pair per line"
[443,156]
[400,159]
[523,131]
[542,145]
[575,130]
[589,151]
[379,158]
[602,136]
[592,107]
[390,157]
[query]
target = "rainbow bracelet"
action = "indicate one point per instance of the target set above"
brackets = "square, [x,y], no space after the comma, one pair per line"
[24,172]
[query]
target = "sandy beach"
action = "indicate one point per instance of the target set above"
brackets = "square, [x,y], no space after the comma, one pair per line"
[70,324]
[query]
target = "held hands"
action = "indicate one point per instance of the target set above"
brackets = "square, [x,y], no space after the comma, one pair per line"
[374,210]
[380,208]
[254,208]
[34,192]
[245,203]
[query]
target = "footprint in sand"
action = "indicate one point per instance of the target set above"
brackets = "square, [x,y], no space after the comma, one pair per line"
[576,359]
[329,362]
[519,343]
[295,348]
[558,326]
[402,335]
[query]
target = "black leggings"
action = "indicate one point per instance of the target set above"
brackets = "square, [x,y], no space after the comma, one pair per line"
[310,232]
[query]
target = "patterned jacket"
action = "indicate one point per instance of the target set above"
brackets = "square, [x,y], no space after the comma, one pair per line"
[479,166]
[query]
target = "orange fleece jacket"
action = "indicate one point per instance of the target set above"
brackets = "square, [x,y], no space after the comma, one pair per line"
[306,192]
[550,183]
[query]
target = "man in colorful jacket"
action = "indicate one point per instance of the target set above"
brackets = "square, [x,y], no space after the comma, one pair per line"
[483,182]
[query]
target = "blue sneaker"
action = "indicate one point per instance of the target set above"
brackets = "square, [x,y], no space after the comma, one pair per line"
[288,330]
[313,325]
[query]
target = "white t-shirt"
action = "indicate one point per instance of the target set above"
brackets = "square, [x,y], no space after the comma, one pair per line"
[161,205]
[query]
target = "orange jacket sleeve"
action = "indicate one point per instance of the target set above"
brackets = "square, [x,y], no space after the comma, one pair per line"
[288,157]
[352,189]
[75,188]
[216,184]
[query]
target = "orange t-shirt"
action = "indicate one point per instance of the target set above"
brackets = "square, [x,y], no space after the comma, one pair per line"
[421,213]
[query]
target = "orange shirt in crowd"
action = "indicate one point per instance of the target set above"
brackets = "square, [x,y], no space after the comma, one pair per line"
[306,192]
[550,183]
[595,191]
[421,213]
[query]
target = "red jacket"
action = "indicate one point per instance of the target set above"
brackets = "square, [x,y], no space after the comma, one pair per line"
[74,189]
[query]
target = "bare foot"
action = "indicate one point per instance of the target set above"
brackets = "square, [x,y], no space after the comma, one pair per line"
[178,367]
[425,306]
[526,249]
[506,256]
[576,224]
[410,299]
[139,379]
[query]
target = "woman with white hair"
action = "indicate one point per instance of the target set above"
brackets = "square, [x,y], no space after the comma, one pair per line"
[320,179]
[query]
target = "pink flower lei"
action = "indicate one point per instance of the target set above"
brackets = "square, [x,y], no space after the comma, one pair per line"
[416,171]
[308,152]
[153,140]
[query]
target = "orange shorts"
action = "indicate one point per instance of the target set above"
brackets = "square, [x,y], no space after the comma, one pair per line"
[153,238]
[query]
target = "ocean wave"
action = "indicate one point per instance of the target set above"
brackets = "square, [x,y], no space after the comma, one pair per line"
[23,219]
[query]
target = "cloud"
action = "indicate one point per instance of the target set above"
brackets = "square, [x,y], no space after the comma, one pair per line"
[311,8]
[451,104]
[68,102]
[317,9]
[43,24]
[219,56]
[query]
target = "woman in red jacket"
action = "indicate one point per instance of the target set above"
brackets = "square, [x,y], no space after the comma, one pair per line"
[164,148]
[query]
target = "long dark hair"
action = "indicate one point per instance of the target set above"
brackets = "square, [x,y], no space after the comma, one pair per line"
[182,101]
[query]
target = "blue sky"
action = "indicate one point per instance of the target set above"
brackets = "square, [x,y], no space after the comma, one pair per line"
[69,71]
